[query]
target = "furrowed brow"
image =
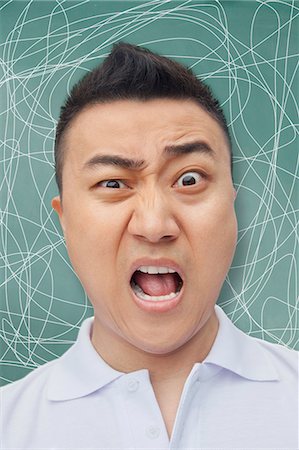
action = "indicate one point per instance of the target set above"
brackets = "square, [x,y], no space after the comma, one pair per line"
[114,160]
[190,147]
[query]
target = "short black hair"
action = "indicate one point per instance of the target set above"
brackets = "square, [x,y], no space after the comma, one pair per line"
[131,72]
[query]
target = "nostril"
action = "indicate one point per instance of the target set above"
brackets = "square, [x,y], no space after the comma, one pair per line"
[168,237]
[154,238]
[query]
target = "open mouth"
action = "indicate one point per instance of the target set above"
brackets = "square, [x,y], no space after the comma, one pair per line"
[156,284]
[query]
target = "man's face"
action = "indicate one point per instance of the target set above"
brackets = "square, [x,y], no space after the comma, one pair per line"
[147,187]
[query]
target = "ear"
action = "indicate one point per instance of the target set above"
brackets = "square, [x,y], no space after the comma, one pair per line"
[57,205]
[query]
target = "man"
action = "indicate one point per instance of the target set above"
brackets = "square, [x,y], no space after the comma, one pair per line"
[146,204]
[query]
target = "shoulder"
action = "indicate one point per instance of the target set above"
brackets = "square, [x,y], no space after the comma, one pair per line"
[250,357]
[284,359]
[28,388]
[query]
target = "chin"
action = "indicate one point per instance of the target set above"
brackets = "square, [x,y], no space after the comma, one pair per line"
[161,345]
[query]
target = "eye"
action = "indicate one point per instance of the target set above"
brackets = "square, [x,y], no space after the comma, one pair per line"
[112,184]
[189,179]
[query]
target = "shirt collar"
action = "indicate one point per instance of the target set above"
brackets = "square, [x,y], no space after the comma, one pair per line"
[233,350]
[81,370]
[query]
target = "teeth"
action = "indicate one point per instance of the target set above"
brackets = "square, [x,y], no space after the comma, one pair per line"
[139,292]
[155,269]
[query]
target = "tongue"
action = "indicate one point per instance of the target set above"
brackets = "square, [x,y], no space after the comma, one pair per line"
[156,284]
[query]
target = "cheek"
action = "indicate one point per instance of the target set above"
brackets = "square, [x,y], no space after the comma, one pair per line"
[214,233]
[91,238]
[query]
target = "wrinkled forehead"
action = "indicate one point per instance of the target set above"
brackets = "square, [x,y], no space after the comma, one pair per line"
[135,128]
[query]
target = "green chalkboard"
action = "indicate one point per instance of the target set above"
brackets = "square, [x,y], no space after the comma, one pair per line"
[247,51]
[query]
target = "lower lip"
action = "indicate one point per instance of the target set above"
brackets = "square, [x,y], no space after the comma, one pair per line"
[158,306]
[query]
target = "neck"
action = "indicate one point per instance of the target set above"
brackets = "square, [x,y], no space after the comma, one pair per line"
[124,357]
[168,371]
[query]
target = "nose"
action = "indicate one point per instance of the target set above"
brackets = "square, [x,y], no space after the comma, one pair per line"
[152,220]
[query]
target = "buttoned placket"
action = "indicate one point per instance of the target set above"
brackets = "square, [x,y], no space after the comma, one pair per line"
[190,391]
[187,427]
[146,426]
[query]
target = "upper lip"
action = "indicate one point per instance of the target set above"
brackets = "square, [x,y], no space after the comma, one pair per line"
[159,262]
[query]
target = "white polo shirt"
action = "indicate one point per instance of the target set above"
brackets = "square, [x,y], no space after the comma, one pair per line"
[243,396]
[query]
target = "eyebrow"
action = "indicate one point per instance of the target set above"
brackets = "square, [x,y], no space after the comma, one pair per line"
[138,164]
[115,160]
[189,147]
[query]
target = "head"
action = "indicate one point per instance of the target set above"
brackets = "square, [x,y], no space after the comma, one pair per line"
[133,73]
[144,170]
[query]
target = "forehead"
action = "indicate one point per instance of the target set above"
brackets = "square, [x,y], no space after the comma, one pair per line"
[144,128]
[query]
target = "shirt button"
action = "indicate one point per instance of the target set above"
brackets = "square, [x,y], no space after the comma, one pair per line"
[153,432]
[133,385]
